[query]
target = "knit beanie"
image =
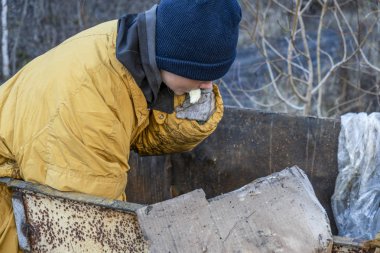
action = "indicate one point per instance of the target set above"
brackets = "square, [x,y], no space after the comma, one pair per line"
[197,39]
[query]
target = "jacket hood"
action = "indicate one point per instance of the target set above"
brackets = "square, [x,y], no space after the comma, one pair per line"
[135,49]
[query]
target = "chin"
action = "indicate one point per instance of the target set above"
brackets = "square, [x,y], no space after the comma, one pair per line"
[179,93]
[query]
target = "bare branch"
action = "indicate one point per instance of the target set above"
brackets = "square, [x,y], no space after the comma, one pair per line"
[356,41]
[283,57]
[319,74]
[307,110]
[306,7]
[253,13]
[270,71]
[290,56]
[231,94]
[267,85]
[275,84]
[368,92]
[344,58]
[328,56]
[257,102]
[348,102]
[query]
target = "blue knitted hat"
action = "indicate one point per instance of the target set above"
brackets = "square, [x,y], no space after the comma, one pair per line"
[197,38]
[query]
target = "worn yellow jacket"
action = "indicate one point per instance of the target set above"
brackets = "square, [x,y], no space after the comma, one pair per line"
[69,118]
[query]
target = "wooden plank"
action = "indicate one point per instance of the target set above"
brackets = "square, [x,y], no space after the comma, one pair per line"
[182,224]
[278,213]
[48,220]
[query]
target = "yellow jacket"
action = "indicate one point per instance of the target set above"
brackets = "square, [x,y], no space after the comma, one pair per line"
[69,118]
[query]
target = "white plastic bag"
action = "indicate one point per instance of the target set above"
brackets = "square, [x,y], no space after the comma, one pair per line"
[356,199]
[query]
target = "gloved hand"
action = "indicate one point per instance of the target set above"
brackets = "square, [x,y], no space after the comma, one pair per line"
[200,111]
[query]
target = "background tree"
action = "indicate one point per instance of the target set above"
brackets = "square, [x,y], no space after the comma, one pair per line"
[4,39]
[305,57]
[311,57]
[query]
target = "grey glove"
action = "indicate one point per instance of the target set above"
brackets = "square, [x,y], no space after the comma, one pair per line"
[201,110]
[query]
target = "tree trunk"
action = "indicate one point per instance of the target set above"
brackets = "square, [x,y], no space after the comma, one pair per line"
[4,39]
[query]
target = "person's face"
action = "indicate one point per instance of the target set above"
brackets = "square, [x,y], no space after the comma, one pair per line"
[181,85]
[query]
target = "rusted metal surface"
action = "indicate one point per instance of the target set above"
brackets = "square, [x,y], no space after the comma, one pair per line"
[67,222]
[247,145]
[109,203]
[20,219]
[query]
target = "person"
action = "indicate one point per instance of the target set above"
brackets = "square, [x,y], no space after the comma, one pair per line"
[70,117]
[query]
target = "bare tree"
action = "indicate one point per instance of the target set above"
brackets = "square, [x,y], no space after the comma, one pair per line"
[322,39]
[80,14]
[4,39]
[310,57]
[17,36]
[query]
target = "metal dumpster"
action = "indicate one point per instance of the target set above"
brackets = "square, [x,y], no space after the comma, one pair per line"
[247,145]
[52,221]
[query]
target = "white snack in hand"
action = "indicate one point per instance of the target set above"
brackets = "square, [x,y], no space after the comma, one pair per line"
[195,95]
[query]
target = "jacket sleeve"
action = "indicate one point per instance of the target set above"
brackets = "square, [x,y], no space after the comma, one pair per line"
[168,134]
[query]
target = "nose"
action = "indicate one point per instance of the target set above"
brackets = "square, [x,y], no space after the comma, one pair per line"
[206,85]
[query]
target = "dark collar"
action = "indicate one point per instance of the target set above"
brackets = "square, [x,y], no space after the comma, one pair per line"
[136,50]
